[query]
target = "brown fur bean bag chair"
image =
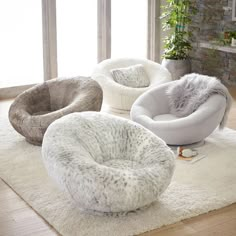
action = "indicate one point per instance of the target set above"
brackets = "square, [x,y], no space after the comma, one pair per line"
[35,109]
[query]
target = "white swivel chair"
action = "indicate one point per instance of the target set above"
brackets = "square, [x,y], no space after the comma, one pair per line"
[153,112]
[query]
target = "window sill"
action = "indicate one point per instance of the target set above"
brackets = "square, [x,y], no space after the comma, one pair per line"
[212,45]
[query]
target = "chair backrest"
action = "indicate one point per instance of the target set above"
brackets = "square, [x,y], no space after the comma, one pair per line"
[106,66]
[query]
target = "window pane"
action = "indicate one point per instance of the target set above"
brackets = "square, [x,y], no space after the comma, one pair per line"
[129,28]
[76,37]
[21,56]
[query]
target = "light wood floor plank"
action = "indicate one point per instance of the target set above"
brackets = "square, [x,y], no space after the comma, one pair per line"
[17,218]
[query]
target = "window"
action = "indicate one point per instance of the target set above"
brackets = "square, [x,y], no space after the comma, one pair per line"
[129,28]
[21,56]
[43,39]
[76,37]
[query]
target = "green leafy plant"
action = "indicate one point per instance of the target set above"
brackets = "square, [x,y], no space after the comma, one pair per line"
[232,34]
[177,15]
[225,38]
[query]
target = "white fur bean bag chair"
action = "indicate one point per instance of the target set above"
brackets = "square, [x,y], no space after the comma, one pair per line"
[106,163]
[118,96]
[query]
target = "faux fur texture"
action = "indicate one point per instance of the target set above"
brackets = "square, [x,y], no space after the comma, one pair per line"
[195,189]
[132,76]
[193,90]
[36,108]
[107,163]
[122,97]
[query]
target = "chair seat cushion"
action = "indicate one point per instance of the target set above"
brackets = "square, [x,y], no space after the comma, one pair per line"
[106,163]
[165,117]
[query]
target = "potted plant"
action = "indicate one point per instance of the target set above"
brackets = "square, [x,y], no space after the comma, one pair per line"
[177,15]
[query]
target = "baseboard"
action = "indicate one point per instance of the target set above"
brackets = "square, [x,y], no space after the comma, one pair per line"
[12,92]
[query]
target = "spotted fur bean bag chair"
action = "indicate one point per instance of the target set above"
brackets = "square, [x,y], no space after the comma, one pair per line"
[35,109]
[106,163]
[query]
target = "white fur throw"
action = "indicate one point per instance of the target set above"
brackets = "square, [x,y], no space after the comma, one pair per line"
[106,163]
[133,76]
[193,90]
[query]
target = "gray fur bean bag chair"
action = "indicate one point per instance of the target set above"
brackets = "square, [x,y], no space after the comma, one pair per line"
[36,108]
[106,163]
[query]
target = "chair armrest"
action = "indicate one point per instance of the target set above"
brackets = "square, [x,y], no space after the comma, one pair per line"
[154,101]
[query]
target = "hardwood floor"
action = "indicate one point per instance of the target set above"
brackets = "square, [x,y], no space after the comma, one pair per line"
[17,218]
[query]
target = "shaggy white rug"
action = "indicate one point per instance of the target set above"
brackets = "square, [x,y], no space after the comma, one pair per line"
[196,188]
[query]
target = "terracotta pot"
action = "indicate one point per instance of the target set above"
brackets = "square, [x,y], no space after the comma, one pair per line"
[177,68]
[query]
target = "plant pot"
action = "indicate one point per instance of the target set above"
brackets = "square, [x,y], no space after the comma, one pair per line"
[177,68]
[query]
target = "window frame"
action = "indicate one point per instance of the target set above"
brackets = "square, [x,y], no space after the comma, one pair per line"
[49,41]
[234,10]
[49,23]
[104,29]
[154,31]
